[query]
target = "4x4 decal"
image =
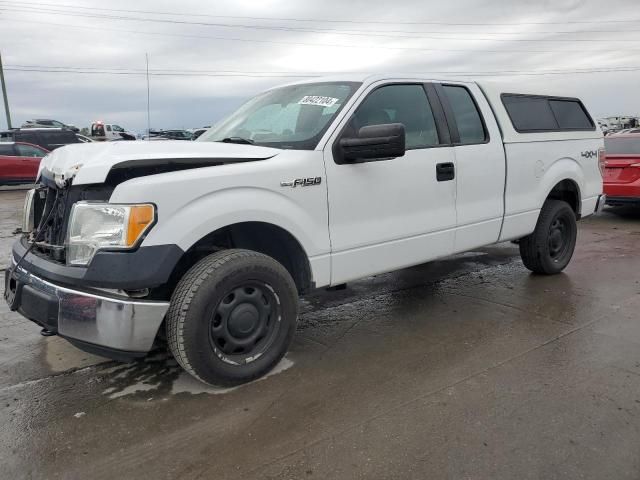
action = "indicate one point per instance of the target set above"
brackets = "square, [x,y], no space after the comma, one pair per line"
[589,154]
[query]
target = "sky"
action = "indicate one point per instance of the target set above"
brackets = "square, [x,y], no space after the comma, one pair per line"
[78,61]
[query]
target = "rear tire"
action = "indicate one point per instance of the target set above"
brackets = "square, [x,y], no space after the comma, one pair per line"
[232,317]
[550,247]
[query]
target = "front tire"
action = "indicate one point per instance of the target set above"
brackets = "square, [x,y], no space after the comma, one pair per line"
[232,317]
[550,247]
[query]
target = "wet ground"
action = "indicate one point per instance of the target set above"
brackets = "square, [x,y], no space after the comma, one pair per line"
[465,368]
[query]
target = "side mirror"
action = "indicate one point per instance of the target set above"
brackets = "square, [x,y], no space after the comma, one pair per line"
[375,142]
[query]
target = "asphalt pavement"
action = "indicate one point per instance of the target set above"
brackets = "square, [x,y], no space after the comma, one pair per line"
[465,368]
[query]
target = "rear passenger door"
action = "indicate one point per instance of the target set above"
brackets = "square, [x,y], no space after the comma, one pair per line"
[392,213]
[480,165]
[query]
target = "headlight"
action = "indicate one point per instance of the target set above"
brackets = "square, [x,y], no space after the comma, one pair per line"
[28,212]
[94,226]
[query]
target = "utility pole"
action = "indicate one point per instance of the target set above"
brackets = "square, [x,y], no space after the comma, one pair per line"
[4,94]
[148,97]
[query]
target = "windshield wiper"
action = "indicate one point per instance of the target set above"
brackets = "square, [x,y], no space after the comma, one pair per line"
[244,141]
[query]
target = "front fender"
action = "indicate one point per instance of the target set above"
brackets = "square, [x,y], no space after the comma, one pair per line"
[194,203]
[215,210]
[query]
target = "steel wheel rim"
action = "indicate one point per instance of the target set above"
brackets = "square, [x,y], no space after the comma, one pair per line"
[245,323]
[559,238]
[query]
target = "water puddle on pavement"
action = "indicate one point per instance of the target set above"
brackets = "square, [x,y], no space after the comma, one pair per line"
[160,375]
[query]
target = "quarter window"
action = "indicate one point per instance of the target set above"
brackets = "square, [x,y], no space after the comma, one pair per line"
[468,119]
[406,104]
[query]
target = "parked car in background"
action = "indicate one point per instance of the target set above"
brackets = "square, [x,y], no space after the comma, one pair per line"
[47,123]
[197,132]
[47,138]
[19,162]
[173,134]
[176,134]
[622,169]
[83,138]
[109,131]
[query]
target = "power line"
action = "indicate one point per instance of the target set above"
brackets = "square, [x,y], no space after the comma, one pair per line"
[289,29]
[384,34]
[221,70]
[108,72]
[79,70]
[362,22]
[333,45]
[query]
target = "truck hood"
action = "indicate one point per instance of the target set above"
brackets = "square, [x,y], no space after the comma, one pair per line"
[84,163]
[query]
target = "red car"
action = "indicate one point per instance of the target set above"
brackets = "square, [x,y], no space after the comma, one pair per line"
[19,162]
[622,169]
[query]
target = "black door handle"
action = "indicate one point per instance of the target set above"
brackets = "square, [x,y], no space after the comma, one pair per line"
[445,172]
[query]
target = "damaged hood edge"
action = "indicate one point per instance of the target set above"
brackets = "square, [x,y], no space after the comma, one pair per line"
[91,162]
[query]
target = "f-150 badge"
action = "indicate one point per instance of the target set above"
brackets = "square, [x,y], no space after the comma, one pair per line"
[302,182]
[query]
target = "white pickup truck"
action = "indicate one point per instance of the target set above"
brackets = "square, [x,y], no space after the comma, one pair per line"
[209,243]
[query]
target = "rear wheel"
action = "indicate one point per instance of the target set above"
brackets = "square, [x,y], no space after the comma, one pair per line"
[550,247]
[232,317]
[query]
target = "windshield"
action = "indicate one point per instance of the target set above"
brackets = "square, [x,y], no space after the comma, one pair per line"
[622,145]
[293,117]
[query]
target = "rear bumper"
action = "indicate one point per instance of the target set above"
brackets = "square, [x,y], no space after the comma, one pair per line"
[602,199]
[119,328]
[629,191]
[620,201]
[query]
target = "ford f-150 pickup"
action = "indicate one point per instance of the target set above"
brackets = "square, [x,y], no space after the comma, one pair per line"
[210,243]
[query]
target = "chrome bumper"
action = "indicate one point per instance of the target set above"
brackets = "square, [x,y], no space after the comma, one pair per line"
[602,199]
[119,324]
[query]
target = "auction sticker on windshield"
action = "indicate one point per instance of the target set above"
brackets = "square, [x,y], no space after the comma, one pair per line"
[318,100]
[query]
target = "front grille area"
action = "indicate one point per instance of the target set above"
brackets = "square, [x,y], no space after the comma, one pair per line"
[52,209]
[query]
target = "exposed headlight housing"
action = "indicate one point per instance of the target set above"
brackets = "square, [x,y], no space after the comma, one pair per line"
[28,213]
[96,226]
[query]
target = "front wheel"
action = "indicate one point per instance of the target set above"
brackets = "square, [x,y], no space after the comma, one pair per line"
[550,247]
[232,317]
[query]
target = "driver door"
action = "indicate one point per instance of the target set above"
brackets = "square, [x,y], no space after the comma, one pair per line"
[392,213]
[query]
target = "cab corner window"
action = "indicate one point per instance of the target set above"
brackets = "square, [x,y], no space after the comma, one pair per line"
[470,126]
[405,104]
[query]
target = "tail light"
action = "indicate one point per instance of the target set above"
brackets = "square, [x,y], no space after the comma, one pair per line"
[601,160]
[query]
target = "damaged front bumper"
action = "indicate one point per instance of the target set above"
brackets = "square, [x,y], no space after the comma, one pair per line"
[119,328]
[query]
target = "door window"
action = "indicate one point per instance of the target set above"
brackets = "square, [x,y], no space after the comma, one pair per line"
[406,104]
[30,151]
[6,150]
[468,119]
